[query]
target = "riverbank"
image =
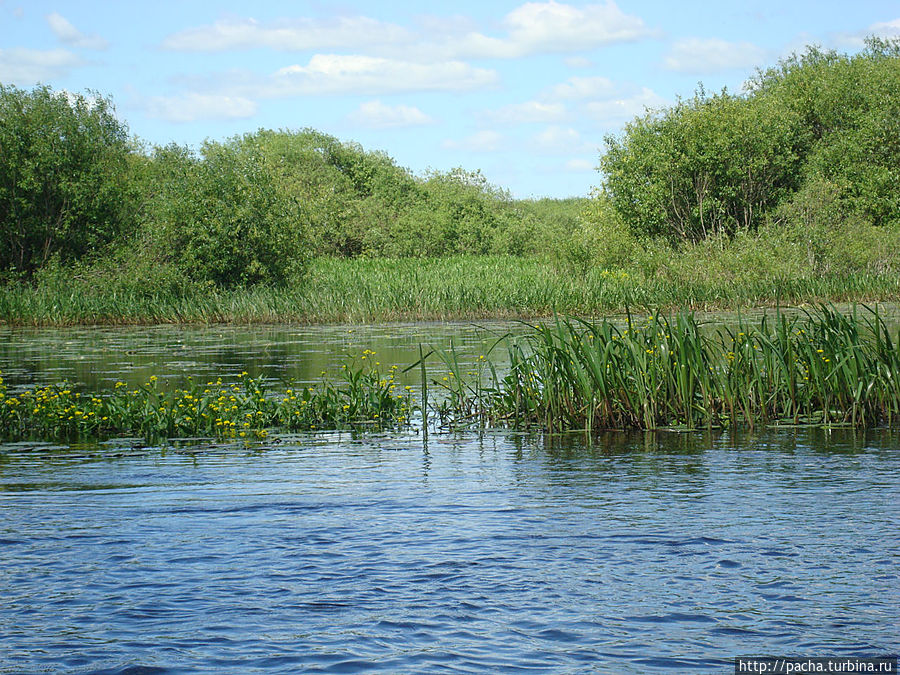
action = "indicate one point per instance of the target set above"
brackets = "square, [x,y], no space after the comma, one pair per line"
[410,289]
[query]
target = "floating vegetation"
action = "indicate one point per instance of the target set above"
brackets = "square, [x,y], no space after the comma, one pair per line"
[361,397]
[820,368]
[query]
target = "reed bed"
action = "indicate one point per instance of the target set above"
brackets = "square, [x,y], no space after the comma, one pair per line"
[360,397]
[813,368]
[409,289]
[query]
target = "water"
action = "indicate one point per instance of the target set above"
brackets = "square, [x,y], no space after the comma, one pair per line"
[501,552]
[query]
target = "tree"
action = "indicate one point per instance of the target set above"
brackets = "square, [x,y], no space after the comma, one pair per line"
[224,216]
[64,180]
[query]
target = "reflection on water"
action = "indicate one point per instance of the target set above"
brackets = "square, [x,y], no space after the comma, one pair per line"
[99,357]
[654,552]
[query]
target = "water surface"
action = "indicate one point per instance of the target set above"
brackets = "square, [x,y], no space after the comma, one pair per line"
[496,552]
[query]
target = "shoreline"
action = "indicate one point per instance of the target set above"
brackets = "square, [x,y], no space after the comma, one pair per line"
[459,288]
[414,317]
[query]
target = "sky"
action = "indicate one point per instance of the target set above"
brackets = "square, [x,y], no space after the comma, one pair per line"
[523,91]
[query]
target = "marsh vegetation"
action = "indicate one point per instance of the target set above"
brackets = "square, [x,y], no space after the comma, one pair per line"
[787,190]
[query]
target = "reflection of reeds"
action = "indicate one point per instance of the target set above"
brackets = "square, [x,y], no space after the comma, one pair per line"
[821,368]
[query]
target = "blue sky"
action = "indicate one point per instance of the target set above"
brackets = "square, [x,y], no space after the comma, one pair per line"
[524,91]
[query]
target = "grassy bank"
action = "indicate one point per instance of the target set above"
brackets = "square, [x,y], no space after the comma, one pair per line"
[462,287]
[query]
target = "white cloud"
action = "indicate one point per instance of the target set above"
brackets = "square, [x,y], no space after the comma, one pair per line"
[530,111]
[580,165]
[67,34]
[580,88]
[578,62]
[886,29]
[541,27]
[561,140]
[482,141]
[531,28]
[558,27]
[342,74]
[617,110]
[696,55]
[377,115]
[882,29]
[29,66]
[193,107]
[287,35]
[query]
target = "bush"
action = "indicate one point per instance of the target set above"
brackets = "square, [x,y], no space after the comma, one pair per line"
[224,217]
[716,165]
[64,177]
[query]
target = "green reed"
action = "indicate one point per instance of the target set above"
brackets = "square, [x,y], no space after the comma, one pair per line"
[819,367]
[359,397]
[459,287]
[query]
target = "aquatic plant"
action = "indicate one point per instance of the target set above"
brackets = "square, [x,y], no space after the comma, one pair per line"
[360,397]
[461,287]
[820,367]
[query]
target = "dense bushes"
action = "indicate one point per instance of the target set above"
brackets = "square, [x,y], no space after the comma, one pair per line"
[76,193]
[716,165]
[65,188]
[798,175]
[222,216]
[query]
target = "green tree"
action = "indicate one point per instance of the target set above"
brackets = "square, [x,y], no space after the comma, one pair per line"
[64,177]
[718,165]
[224,216]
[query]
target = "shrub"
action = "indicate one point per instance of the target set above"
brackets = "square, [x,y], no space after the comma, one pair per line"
[64,179]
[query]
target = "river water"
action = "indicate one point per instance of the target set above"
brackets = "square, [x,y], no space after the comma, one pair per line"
[494,552]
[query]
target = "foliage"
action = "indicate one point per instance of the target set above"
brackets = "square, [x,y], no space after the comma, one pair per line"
[361,398]
[222,217]
[64,187]
[821,367]
[860,263]
[715,165]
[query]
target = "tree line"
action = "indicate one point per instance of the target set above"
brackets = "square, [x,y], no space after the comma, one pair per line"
[811,146]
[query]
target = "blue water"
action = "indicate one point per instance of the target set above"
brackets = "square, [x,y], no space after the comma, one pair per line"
[641,553]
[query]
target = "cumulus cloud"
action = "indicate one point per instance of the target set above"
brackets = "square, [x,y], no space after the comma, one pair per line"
[882,29]
[530,111]
[580,165]
[377,115]
[287,35]
[339,74]
[696,55]
[481,141]
[28,66]
[67,34]
[886,29]
[531,28]
[558,27]
[623,108]
[193,107]
[576,88]
[578,62]
[561,140]
[542,27]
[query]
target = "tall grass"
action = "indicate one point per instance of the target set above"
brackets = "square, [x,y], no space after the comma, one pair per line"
[460,287]
[820,367]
